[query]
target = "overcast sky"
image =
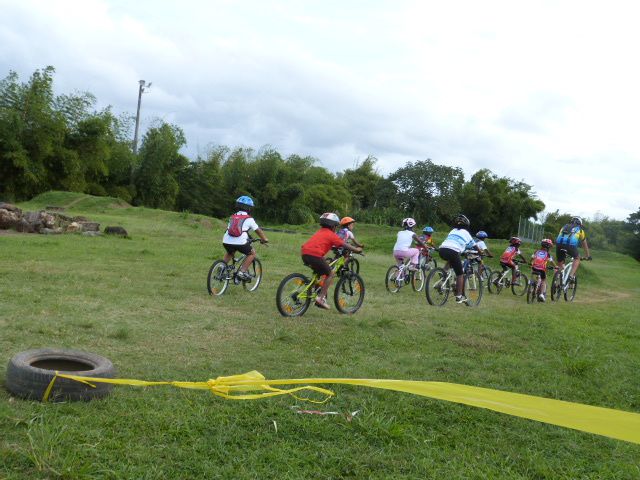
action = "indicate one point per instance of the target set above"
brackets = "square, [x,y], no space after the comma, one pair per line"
[546,92]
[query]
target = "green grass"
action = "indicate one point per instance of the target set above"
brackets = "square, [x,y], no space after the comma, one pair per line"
[142,302]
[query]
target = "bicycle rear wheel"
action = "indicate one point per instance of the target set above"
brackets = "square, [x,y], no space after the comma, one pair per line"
[349,293]
[293,296]
[556,286]
[418,279]
[520,290]
[570,292]
[391,279]
[485,273]
[217,281]
[255,271]
[473,287]
[532,289]
[437,288]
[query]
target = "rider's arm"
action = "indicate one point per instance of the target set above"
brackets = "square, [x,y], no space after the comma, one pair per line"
[523,258]
[356,243]
[418,241]
[352,248]
[585,245]
[260,233]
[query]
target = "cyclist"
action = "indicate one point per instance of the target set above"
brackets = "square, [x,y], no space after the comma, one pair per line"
[482,246]
[539,261]
[569,238]
[507,259]
[236,237]
[346,231]
[314,250]
[427,236]
[458,240]
[402,248]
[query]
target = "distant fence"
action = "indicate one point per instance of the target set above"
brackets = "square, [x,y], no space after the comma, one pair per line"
[530,231]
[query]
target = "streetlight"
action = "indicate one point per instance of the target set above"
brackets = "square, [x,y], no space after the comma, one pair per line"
[143,85]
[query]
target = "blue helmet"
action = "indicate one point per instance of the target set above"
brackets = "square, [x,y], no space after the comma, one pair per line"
[481,235]
[427,230]
[244,202]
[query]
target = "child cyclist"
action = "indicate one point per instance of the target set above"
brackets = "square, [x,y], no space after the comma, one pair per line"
[458,240]
[482,247]
[426,237]
[314,250]
[539,262]
[346,231]
[236,238]
[510,254]
[402,249]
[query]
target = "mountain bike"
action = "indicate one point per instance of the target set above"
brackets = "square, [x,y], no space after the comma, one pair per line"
[561,284]
[221,274]
[400,275]
[475,260]
[440,283]
[533,288]
[500,280]
[425,264]
[296,291]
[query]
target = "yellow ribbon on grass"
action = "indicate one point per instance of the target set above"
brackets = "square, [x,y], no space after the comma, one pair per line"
[608,422]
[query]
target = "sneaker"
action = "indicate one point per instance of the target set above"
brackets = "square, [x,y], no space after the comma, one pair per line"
[461,299]
[243,276]
[572,280]
[541,298]
[322,303]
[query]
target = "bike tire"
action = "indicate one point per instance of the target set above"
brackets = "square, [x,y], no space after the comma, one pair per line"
[353,265]
[436,290]
[418,279]
[493,288]
[391,279]
[217,281]
[293,297]
[473,288]
[255,270]
[532,288]
[486,273]
[520,290]
[570,292]
[556,286]
[349,293]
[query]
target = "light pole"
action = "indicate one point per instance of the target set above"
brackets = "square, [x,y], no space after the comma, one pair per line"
[143,85]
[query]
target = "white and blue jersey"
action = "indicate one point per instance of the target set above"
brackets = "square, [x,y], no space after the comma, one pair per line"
[458,240]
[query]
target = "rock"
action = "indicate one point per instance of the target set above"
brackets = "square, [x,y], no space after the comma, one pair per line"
[47,220]
[116,231]
[24,226]
[51,231]
[89,226]
[92,233]
[9,218]
[80,219]
[73,227]
[10,207]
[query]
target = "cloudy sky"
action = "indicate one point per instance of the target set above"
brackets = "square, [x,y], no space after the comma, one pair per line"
[547,92]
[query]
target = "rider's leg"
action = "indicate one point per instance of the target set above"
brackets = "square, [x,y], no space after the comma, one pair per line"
[227,258]
[325,286]
[459,285]
[247,261]
[574,267]
[414,255]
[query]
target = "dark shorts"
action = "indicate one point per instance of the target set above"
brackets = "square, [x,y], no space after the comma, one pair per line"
[231,249]
[571,250]
[542,273]
[453,258]
[318,264]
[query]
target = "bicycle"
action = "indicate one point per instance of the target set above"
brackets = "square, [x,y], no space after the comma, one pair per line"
[475,260]
[440,283]
[296,291]
[400,275]
[426,263]
[533,288]
[500,280]
[561,284]
[221,274]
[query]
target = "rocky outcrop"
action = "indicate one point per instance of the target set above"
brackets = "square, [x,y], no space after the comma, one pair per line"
[44,221]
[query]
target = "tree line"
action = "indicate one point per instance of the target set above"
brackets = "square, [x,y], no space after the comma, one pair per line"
[62,142]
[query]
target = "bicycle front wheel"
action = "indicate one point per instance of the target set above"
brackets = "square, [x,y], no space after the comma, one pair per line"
[570,292]
[556,287]
[418,279]
[349,293]
[494,285]
[217,281]
[293,296]
[519,290]
[391,279]
[353,265]
[473,287]
[255,272]
[437,287]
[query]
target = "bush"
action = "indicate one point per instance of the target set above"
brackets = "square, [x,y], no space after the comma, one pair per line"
[95,189]
[123,193]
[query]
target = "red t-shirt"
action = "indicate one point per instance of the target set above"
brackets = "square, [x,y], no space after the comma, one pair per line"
[509,254]
[540,259]
[321,242]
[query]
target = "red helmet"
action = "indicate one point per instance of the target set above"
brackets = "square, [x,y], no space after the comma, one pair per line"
[547,243]
[515,241]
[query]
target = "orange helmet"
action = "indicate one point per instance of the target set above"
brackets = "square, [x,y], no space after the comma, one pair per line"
[346,221]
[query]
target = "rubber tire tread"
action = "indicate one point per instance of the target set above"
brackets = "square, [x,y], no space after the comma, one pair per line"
[349,277]
[307,303]
[258,279]
[427,288]
[226,282]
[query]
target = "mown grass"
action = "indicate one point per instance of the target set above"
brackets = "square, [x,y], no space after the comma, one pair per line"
[142,302]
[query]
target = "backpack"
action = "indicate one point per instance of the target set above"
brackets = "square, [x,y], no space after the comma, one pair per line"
[235,224]
[565,234]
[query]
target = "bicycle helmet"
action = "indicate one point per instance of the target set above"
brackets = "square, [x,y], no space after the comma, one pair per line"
[515,241]
[329,219]
[408,222]
[482,235]
[427,230]
[547,243]
[461,221]
[576,221]
[244,203]
[346,221]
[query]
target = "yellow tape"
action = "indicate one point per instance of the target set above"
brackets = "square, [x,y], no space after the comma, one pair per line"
[616,424]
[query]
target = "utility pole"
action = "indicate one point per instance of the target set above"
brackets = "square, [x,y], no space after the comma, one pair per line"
[143,85]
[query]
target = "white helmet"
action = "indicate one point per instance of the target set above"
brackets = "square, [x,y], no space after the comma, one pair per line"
[576,221]
[408,222]
[329,219]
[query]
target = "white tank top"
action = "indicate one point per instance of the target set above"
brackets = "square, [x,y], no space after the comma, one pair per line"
[405,237]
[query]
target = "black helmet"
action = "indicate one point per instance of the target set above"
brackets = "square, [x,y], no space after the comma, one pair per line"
[461,221]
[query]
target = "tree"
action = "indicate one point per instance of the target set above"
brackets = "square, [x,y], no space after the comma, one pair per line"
[632,225]
[362,183]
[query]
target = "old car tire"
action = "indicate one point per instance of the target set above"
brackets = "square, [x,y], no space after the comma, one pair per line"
[29,374]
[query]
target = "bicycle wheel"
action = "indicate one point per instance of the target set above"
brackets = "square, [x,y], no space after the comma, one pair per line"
[473,288]
[293,296]
[255,271]
[353,265]
[495,283]
[519,290]
[391,279]
[437,288]
[485,274]
[217,281]
[556,286]
[417,280]
[430,264]
[532,288]
[349,293]
[570,292]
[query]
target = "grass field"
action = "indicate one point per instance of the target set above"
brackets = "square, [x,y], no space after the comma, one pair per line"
[142,303]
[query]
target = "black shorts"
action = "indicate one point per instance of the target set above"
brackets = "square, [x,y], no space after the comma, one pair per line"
[453,258]
[318,264]
[570,249]
[542,273]
[231,249]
